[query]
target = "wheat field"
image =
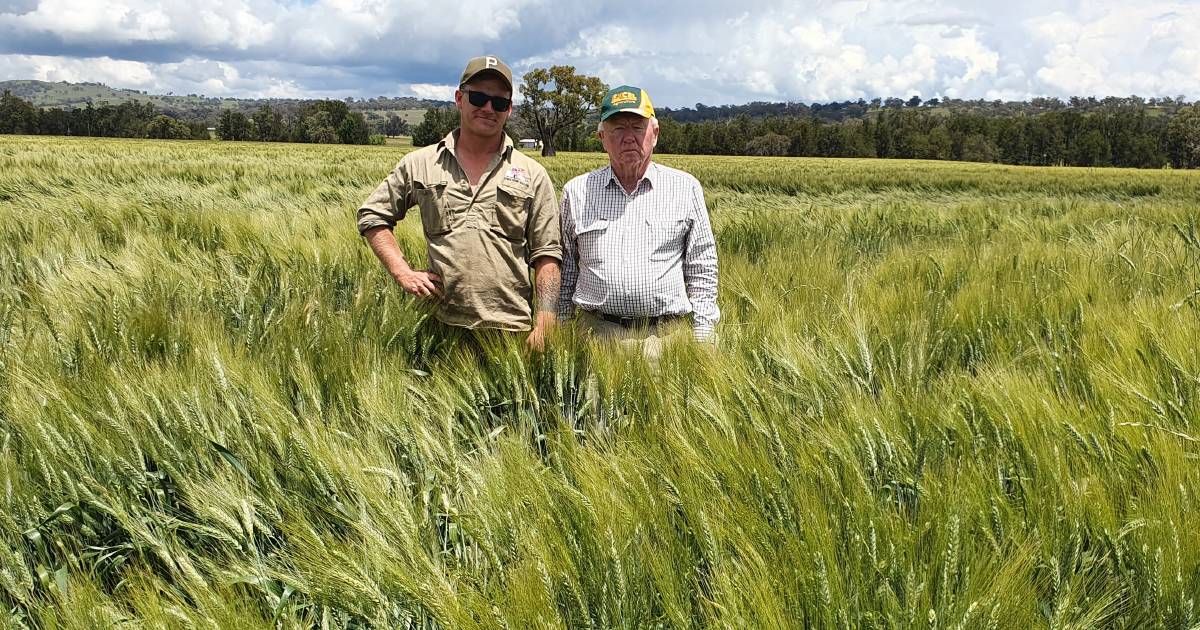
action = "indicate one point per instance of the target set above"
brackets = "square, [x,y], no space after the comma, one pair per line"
[945,395]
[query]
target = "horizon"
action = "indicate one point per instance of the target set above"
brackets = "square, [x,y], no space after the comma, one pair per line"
[692,107]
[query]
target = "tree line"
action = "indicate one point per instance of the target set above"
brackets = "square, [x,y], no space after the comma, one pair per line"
[197,107]
[325,122]
[1125,132]
[320,122]
[1136,137]
[838,111]
[130,119]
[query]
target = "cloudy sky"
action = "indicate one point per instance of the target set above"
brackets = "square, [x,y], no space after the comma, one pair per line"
[681,51]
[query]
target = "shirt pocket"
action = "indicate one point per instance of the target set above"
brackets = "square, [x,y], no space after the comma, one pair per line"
[430,197]
[588,242]
[511,211]
[666,238]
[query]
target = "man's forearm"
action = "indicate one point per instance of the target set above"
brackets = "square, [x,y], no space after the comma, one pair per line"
[705,313]
[548,279]
[701,283]
[387,250]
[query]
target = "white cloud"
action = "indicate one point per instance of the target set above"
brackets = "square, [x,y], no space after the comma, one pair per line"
[1069,72]
[966,47]
[128,74]
[431,91]
[846,52]
[231,23]
[1149,49]
[191,76]
[682,51]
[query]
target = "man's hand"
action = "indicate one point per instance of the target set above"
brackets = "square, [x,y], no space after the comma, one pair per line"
[420,283]
[536,340]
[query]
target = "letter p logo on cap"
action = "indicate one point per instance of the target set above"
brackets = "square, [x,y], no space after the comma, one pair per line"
[486,63]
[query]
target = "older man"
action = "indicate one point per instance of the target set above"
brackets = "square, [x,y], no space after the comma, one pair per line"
[639,256]
[488,214]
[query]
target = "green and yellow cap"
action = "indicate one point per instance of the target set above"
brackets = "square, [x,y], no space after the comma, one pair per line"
[626,98]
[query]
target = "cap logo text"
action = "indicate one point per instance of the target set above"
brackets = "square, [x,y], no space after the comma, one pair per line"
[488,62]
[621,98]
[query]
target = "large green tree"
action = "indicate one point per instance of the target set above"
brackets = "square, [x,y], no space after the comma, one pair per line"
[1184,138]
[164,127]
[16,115]
[353,129]
[438,122]
[233,125]
[557,99]
[395,126]
[268,125]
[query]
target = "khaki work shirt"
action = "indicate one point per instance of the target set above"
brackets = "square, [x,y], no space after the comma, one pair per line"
[481,242]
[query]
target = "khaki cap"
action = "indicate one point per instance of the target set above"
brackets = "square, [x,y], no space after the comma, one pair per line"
[487,63]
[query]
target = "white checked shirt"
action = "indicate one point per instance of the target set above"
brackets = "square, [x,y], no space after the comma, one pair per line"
[645,254]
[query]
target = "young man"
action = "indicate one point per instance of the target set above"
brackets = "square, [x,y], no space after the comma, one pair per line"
[488,213]
[639,253]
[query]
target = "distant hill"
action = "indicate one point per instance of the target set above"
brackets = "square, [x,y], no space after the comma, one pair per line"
[198,107]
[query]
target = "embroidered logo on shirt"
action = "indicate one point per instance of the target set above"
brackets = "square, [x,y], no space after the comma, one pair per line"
[517,174]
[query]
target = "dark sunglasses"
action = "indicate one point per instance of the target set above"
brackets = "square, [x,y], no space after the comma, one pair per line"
[479,99]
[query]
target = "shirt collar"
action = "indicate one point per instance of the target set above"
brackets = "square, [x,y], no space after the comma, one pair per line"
[651,177]
[451,139]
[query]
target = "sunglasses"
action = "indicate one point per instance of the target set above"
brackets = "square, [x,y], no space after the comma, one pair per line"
[479,99]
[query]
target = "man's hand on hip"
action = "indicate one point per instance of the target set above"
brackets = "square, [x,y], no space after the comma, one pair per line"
[420,283]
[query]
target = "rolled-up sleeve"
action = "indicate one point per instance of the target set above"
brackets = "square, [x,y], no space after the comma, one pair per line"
[544,233]
[389,201]
[700,269]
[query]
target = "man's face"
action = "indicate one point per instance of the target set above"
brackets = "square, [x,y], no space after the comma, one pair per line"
[629,139]
[482,120]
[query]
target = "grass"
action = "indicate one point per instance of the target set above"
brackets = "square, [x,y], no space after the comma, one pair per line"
[947,395]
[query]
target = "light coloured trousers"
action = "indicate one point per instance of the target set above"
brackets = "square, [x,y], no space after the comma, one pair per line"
[649,339]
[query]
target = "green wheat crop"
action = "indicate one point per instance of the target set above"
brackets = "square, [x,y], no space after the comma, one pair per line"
[946,395]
